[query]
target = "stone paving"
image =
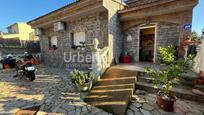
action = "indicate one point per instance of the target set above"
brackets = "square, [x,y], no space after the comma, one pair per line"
[146,105]
[55,93]
[52,90]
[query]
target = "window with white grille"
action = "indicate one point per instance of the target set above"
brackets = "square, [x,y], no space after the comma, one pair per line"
[79,38]
[53,42]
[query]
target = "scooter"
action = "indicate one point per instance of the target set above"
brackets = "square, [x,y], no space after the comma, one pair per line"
[28,70]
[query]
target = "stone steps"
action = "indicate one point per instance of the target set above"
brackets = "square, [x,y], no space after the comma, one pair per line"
[179,92]
[113,91]
[200,87]
[178,84]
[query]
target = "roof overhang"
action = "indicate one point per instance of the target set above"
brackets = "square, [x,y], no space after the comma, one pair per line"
[156,9]
[69,12]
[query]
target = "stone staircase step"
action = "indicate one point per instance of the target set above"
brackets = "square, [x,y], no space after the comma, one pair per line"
[179,92]
[145,79]
[200,87]
[108,97]
[151,80]
[112,87]
[131,80]
[113,91]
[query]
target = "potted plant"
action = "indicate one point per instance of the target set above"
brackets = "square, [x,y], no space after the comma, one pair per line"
[200,79]
[82,80]
[192,38]
[125,58]
[166,77]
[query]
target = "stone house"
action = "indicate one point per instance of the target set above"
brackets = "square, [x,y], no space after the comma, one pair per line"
[138,27]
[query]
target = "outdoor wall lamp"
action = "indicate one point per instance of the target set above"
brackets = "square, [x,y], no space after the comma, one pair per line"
[129,38]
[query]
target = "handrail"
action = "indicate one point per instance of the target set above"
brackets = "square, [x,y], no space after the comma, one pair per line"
[104,51]
[104,56]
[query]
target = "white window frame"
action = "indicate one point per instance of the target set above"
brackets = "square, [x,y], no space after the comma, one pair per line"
[54,40]
[79,37]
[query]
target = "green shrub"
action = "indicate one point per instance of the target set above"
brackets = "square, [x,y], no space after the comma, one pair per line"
[167,76]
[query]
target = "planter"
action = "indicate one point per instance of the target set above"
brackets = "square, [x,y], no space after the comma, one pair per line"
[6,66]
[85,87]
[125,59]
[187,42]
[167,105]
[200,81]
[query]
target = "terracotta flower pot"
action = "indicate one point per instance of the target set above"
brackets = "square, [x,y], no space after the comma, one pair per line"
[200,81]
[187,42]
[167,105]
[6,66]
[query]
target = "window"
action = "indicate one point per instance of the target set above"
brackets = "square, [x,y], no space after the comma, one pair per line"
[79,38]
[53,43]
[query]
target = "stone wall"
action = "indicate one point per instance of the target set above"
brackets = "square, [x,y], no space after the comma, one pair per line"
[94,26]
[115,35]
[132,46]
[202,56]
[166,34]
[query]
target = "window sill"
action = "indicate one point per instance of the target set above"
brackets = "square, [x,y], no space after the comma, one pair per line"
[52,49]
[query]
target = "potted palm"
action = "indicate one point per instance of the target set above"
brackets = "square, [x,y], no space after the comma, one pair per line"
[82,80]
[166,78]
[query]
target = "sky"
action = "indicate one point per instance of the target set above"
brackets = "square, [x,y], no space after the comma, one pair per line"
[12,11]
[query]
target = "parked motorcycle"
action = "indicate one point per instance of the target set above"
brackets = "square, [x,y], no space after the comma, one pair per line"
[8,62]
[27,70]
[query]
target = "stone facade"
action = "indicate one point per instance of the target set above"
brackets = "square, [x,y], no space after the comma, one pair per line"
[166,34]
[110,21]
[95,26]
[132,46]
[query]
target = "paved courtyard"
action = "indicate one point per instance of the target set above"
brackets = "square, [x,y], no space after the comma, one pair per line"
[55,93]
[146,105]
[52,89]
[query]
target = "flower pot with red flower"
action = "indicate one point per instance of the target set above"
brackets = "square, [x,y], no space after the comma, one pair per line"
[200,79]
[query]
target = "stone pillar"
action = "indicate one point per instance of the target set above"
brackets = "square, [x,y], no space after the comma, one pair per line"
[202,56]
[197,60]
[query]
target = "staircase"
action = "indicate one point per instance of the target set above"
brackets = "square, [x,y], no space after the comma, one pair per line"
[113,91]
[180,90]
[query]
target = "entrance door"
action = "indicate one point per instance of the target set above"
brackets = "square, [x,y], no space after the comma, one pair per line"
[147,40]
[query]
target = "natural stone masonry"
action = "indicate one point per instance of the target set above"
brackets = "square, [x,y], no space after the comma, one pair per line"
[166,34]
[94,26]
[115,34]
[132,46]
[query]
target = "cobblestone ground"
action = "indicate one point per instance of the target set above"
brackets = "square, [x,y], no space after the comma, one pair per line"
[146,105]
[52,90]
